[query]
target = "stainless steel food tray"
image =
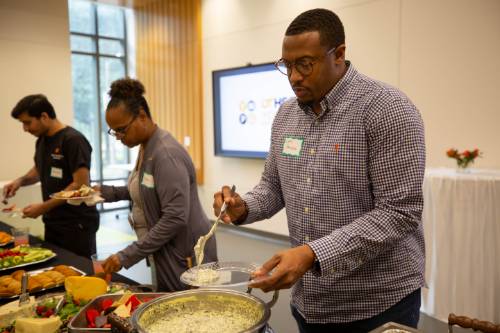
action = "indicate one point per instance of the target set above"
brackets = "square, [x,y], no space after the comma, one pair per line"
[38,271]
[78,323]
[28,263]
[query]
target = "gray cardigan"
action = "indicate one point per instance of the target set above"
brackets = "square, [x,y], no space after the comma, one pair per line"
[172,208]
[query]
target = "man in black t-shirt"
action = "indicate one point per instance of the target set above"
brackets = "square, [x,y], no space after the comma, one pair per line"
[62,162]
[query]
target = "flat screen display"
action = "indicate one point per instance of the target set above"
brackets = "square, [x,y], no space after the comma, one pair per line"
[246,100]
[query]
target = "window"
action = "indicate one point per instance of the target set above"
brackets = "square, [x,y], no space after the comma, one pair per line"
[99,56]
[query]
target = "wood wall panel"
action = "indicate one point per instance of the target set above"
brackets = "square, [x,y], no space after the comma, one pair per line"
[169,64]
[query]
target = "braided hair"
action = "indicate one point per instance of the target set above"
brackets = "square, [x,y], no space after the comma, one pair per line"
[129,92]
[326,22]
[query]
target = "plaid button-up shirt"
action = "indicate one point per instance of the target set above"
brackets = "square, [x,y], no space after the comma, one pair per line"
[350,179]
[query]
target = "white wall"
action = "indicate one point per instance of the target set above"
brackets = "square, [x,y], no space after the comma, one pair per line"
[443,54]
[450,66]
[35,57]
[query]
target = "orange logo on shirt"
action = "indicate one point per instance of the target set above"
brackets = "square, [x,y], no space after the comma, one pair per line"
[337,146]
[57,154]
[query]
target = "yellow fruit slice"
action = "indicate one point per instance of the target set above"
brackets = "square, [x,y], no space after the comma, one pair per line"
[85,288]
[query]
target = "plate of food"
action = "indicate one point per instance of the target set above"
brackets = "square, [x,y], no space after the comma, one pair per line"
[84,192]
[5,238]
[21,256]
[9,209]
[38,280]
[48,313]
[219,274]
[12,211]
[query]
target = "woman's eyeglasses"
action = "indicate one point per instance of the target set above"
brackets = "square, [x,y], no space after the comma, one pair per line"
[120,132]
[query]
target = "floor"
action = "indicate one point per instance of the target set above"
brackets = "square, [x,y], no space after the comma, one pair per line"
[233,244]
[115,234]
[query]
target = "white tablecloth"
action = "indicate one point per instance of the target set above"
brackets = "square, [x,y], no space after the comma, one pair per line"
[462,233]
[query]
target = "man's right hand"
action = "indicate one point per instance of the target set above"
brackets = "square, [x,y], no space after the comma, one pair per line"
[236,210]
[11,188]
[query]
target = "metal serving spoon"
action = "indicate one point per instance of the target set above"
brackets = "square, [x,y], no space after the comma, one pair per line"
[199,248]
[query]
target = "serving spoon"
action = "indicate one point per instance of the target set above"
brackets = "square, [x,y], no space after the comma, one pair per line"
[199,248]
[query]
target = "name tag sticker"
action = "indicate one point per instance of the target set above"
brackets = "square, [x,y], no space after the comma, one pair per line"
[292,146]
[56,173]
[148,180]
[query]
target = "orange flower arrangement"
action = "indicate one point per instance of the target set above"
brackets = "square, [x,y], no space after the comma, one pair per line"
[464,158]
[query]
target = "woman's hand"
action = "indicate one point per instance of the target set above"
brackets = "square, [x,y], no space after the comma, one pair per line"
[112,264]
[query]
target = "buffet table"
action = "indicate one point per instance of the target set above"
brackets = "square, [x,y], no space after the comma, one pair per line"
[64,257]
[462,231]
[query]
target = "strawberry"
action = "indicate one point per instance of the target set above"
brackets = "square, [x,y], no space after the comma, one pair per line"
[106,303]
[91,315]
[134,301]
[40,309]
[48,313]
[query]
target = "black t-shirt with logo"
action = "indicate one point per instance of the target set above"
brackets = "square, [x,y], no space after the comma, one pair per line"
[57,157]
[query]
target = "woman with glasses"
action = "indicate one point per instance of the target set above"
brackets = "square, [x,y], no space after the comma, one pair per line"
[166,211]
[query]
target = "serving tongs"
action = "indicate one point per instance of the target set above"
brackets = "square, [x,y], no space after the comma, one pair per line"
[59,305]
[199,248]
[24,298]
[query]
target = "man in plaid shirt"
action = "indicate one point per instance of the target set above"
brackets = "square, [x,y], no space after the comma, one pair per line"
[347,162]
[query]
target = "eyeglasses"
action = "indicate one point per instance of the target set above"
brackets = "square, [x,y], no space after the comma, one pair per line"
[303,65]
[121,131]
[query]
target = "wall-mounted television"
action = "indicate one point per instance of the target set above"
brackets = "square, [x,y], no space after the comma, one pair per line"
[246,100]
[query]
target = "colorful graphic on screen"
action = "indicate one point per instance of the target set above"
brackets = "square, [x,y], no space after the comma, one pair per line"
[246,100]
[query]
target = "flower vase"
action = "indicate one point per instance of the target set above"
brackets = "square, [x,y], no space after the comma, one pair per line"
[463,167]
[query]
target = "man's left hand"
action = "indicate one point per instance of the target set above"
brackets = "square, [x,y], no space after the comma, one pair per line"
[34,210]
[112,264]
[288,265]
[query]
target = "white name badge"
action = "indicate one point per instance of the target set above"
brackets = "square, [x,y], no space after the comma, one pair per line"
[148,180]
[292,146]
[56,172]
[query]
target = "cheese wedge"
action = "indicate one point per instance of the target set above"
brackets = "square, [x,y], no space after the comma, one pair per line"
[123,310]
[38,325]
[85,288]
[11,311]
[123,299]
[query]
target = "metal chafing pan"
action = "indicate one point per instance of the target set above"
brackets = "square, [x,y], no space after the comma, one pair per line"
[184,307]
